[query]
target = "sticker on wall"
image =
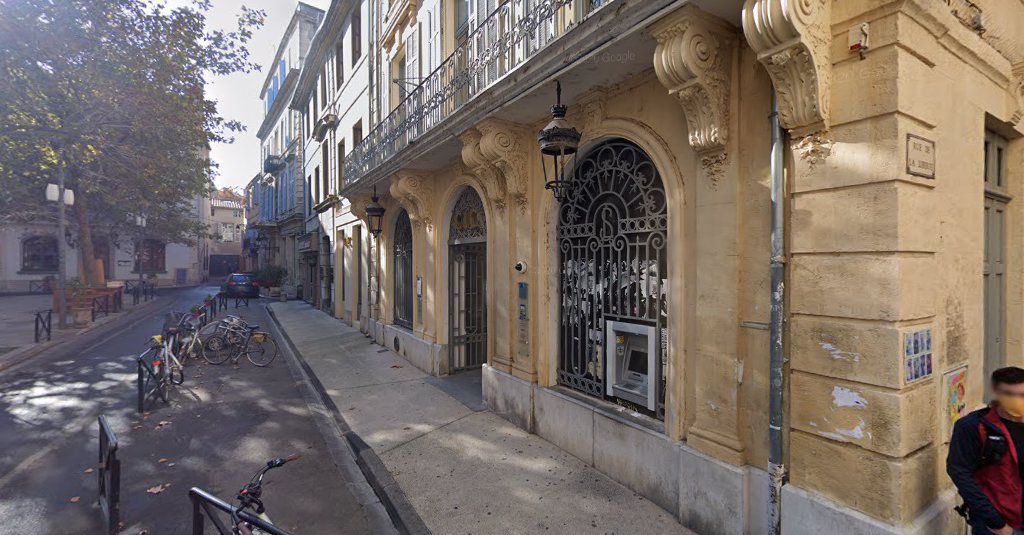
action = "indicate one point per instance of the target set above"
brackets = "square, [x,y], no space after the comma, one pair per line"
[917,355]
[956,395]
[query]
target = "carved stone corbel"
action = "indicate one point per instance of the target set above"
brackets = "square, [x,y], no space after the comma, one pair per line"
[1017,88]
[500,145]
[492,179]
[357,204]
[415,192]
[792,40]
[694,61]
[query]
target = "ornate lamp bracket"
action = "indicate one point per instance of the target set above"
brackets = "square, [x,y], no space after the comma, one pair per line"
[792,40]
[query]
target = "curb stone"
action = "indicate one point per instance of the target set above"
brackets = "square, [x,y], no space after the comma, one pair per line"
[402,513]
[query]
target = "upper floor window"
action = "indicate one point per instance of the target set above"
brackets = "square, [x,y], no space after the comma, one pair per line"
[339,65]
[341,165]
[316,185]
[325,162]
[153,256]
[357,37]
[357,132]
[39,253]
[995,162]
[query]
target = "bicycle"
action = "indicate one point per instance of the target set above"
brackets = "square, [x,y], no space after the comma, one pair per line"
[249,498]
[160,355]
[257,346]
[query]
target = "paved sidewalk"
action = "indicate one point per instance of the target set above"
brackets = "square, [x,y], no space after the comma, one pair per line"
[17,325]
[463,468]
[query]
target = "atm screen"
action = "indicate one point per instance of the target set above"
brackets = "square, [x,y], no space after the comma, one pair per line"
[638,361]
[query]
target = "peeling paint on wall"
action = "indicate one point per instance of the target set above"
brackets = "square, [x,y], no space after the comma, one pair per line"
[843,435]
[839,354]
[844,397]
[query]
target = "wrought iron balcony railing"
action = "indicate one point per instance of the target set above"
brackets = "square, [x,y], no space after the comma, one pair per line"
[508,37]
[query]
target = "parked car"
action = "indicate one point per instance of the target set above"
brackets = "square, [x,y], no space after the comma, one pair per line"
[240,285]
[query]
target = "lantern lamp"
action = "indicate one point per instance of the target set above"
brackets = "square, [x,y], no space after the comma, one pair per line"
[558,141]
[375,214]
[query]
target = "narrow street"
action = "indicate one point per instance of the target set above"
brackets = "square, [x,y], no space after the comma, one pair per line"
[220,427]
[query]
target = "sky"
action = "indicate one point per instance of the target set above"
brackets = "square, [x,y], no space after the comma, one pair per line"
[238,95]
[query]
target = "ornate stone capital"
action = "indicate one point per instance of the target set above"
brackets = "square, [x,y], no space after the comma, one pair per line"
[694,61]
[500,144]
[1017,90]
[491,178]
[792,39]
[358,203]
[415,192]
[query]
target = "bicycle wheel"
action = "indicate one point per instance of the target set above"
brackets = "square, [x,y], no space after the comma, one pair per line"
[261,353]
[216,350]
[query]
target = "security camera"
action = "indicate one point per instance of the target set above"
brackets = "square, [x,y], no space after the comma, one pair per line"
[520,267]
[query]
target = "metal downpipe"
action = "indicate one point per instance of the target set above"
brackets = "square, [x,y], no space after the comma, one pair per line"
[777,359]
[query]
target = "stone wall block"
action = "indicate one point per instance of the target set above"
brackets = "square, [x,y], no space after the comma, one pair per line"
[857,351]
[891,422]
[890,286]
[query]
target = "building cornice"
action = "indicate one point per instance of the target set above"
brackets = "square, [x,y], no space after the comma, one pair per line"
[303,10]
[324,39]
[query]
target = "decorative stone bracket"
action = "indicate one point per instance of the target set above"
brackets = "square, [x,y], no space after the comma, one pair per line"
[415,192]
[358,203]
[694,61]
[1017,88]
[792,40]
[494,152]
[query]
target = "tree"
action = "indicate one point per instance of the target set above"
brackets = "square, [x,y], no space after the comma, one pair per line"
[112,91]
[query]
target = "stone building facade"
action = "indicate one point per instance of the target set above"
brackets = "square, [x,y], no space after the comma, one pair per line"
[902,282]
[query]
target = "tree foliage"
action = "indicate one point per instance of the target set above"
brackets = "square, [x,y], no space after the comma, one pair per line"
[114,91]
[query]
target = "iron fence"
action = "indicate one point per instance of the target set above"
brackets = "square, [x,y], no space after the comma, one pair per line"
[100,306]
[44,324]
[512,34]
[206,505]
[109,478]
[40,287]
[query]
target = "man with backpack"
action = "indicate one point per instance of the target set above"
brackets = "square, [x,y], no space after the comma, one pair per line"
[983,458]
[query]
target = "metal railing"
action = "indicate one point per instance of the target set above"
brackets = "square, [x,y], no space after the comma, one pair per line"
[109,478]
[40,287]
[140,290]
[44,324]
[507,38]
[205,505]
[153,377]
[100,306]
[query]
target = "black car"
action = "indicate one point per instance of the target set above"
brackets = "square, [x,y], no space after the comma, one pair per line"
[240,285]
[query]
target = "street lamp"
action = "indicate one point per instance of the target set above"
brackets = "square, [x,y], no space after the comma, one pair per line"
[140,221]
[559,141]
[63,197]
[375,214]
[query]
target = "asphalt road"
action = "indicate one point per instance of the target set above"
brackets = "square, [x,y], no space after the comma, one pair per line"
[219,428]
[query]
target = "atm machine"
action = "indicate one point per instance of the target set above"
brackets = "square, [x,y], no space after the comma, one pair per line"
[631,362]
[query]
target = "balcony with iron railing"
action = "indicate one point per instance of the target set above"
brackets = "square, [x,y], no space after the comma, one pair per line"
[502,43]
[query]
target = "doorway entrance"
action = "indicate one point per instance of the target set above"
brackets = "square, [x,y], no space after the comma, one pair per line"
[467,283]
[994,269]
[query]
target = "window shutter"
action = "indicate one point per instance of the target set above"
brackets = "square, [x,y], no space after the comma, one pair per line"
[412,58]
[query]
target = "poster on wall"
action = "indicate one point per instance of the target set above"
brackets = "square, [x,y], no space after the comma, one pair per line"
[917,355]
[956,396]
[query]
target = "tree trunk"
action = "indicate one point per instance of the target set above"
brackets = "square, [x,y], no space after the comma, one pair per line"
[85,246]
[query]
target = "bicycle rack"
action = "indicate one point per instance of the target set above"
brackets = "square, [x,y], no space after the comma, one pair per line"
[222,301]
[242,300]
[44,324]
[203,501]
[146,369]
[109,478]
[100,306]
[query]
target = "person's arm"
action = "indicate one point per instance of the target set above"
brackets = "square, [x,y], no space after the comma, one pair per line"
[963,459]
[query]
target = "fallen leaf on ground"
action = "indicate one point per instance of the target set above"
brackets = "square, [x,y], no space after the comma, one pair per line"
[395,366]
[158,489]
[88,471]
[170,464]
[162,460]
[75,499]
[143,532]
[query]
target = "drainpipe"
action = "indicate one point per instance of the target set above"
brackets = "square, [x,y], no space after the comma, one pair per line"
[776,418]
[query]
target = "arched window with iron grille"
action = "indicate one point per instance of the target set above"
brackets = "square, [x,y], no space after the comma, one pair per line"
[403,270]
[612,234]
[39,254]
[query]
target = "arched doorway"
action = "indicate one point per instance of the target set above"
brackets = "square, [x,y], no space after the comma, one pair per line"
[612,234]
[403,288]
[467,281]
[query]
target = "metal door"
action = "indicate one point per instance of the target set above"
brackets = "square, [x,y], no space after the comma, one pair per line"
[994,269]
[403,270]
[467,280]
[467,270]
